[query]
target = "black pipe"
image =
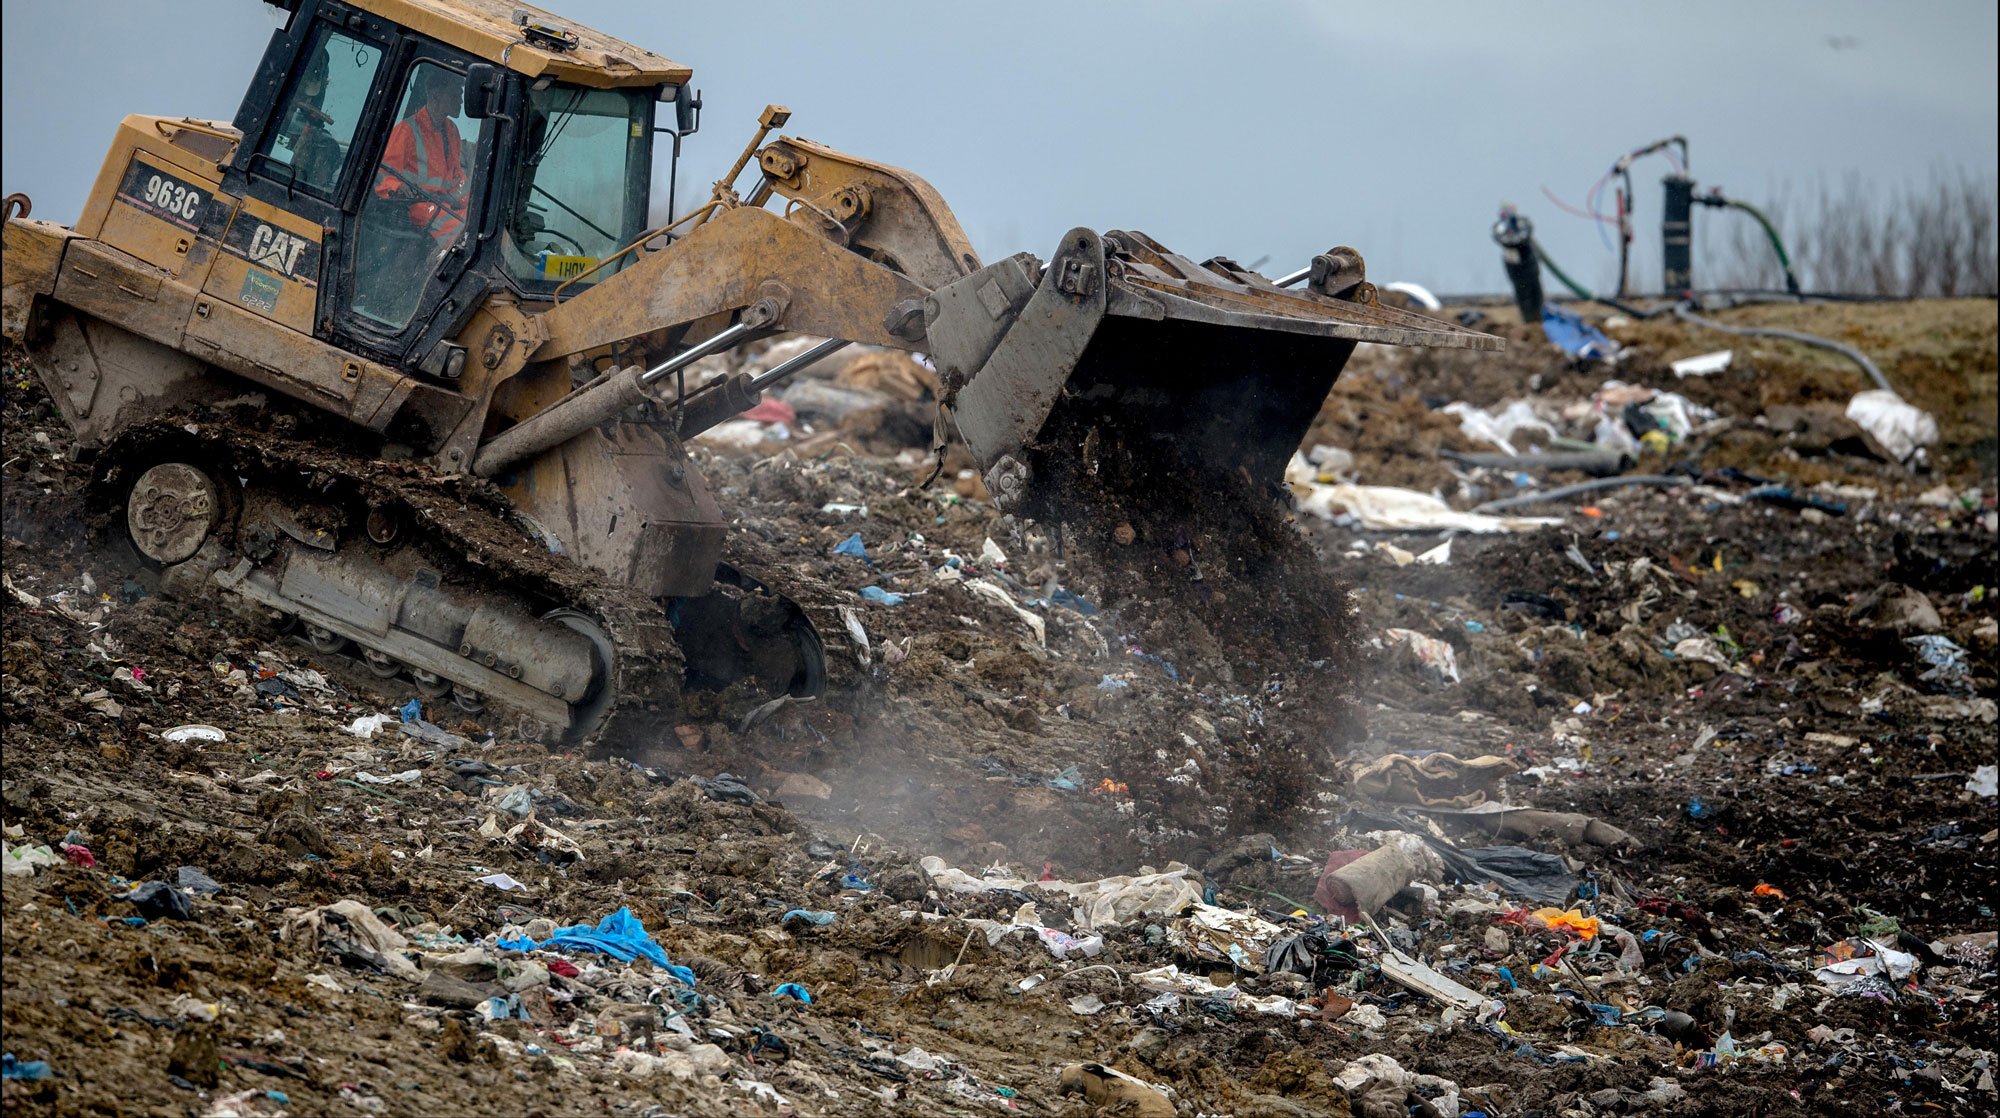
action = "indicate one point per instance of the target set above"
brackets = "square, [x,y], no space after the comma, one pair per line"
[1515,235]
[1677,236]
[1597,463]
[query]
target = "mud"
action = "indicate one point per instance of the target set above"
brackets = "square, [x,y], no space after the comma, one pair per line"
[1229,706]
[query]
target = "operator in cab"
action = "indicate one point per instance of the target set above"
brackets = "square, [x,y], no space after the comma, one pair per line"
[424,152]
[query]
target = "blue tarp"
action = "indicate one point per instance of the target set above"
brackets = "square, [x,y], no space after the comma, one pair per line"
[619,935]
[1573,335]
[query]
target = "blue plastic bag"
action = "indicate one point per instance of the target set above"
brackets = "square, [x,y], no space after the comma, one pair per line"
[793,990]
[619,935]
[852,545]
[10,1068]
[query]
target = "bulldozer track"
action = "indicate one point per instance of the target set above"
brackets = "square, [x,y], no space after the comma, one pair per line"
[458,522]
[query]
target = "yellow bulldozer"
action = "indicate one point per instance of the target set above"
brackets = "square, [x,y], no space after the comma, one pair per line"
[394,358]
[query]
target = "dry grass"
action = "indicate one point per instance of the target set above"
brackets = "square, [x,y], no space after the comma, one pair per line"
[1933,239]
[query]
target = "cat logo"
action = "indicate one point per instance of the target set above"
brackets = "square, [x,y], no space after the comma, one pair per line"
[275,249]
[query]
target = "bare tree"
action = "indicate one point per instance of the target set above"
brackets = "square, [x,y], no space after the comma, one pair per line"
[1858,238]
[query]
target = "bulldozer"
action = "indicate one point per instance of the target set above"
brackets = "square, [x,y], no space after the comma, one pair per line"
[395,359]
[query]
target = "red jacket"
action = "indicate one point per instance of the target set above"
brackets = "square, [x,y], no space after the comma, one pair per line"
[425,153]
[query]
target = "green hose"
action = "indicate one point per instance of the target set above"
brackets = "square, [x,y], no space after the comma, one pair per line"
[1575,288]
[1585,293]
[1778,246]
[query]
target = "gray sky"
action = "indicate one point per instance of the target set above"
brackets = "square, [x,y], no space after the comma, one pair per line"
[1278,127]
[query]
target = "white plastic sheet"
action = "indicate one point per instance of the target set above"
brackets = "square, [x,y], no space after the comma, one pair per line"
[1900,427]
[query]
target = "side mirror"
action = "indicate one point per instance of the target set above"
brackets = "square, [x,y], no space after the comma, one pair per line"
[481,80]
[686,102]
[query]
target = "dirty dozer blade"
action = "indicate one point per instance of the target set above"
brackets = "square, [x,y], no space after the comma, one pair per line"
[1207,368]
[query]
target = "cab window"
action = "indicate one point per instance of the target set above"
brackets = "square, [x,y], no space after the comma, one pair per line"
[317,120]
[581,192]
[416,205]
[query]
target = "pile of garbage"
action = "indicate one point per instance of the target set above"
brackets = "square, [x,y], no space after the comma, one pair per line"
[1680,803]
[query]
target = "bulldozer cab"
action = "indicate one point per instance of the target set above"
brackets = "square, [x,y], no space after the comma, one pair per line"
[431,158]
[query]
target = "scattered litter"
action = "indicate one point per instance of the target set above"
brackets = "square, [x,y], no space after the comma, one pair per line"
[1432,653]
[30,1070]
[1570,333]
[196,882]
[1114,1091]
[1499,429]
[854,548]
[1434,780]
[1984,782]
[366,725]
[619,935]
[1948,668]
[23,861]
[1383,508]
[407,776]
[1901,428]
[157,900]
[1708,364]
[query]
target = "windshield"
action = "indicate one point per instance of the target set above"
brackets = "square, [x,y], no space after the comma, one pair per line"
[586,158]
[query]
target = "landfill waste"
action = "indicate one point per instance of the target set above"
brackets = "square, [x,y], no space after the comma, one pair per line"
[1707,364]
[1356,883]
[366,725]
[1435,779]
[1568,331]
[1385,508]
[196,882]
[29,1070]
[1949,670]
[23,861]
[1376,1086]
[1984,781]
[619,935]
[157,900]
[1499,428]
[1114,1091]
[1816,764]
[350,930]
[1900,427]
[1434,654]
[853,548]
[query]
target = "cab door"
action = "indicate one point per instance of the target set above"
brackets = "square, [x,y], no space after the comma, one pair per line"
[412,217]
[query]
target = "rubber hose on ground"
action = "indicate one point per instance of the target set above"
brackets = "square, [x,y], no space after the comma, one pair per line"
[1847,351]
[1583,292]
[1580,487]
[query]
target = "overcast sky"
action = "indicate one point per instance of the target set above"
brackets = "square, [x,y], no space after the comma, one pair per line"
[1246,129]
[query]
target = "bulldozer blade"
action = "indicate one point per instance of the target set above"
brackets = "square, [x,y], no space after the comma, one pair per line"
[1215,367]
